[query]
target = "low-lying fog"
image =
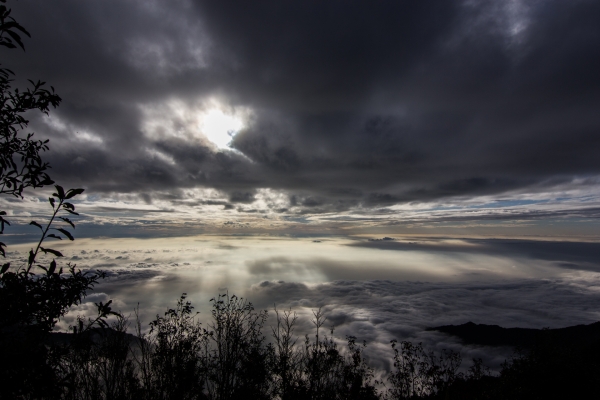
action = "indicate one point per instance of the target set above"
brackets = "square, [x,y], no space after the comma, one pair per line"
[375,290]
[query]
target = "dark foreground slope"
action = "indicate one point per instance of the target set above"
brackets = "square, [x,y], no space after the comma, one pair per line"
[548,363]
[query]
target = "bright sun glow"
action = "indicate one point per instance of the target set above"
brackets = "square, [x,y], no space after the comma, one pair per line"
[220,128]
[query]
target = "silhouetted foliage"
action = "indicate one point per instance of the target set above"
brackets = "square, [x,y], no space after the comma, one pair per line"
[230,358]
[553,369]
[235,357]
[419,374]
[96,364]
[329,373]
[286,360]
[32,303]
[21,165]
[170,363]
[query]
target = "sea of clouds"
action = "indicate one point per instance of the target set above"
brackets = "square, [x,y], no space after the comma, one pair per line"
[375,290]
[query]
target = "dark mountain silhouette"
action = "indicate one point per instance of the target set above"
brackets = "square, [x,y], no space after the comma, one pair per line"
[94,334]
[494,335]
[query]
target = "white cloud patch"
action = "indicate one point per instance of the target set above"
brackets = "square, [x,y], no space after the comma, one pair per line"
[219,127]
[205,121]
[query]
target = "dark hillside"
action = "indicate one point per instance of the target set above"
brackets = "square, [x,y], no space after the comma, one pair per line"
[494,335]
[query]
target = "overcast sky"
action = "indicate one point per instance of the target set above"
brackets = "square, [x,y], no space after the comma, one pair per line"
[334,114]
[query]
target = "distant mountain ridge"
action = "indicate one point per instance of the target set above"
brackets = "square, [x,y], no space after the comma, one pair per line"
[95,334]
[494,335]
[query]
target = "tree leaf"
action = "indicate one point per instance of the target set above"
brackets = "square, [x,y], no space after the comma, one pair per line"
[65,232]
[52,267]
[73,192]
[68,221]
[16,38]
[4,268]
[36,224]
[60,192]
[51,251]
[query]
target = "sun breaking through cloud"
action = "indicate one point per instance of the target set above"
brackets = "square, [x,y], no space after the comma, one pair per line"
[220,128]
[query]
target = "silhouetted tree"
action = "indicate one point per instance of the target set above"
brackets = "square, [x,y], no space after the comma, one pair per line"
[32,303]
[31,306]
[419,374]
[237,360]
[170,366]
[21,165]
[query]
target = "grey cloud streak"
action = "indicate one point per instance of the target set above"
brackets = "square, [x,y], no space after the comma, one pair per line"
[352,104]
[570,255]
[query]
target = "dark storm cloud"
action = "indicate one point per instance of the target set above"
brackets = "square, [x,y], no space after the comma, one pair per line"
[242,197]
[352,102]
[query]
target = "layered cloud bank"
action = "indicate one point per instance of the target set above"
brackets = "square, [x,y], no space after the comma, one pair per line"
[376,290]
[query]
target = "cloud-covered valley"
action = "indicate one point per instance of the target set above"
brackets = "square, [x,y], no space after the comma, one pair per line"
[376,290]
